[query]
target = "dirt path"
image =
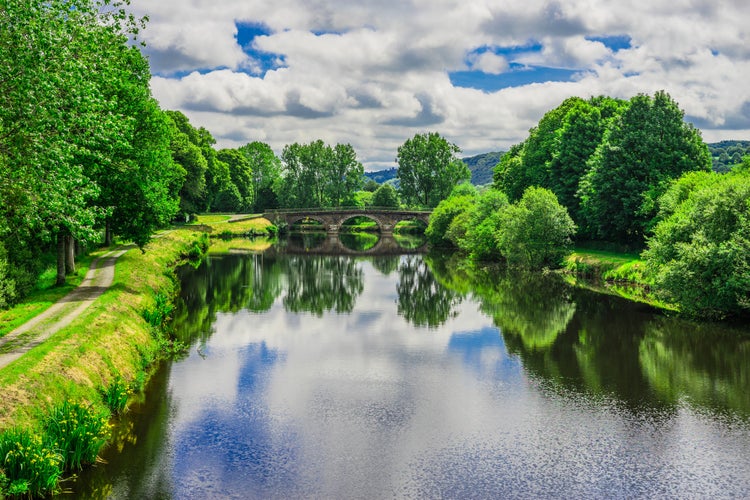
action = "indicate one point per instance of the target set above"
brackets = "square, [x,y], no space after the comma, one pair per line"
[35,331]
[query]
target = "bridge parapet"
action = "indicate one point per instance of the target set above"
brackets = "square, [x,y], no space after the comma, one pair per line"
[333,218]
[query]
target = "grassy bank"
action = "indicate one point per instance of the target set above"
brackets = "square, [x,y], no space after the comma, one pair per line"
[617,273]
[45,294]
[105,352]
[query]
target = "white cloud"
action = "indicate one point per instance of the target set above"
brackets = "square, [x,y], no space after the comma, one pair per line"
[374,74]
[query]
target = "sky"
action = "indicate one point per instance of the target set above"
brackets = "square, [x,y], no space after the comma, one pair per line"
[479,72]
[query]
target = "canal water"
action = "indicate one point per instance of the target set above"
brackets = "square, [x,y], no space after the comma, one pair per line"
[410,376]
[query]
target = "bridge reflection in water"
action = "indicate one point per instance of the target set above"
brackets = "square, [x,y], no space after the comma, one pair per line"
[332,244]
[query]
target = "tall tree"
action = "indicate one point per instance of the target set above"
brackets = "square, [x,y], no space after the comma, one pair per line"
[266,174]
[428,169]
[317,175]
[644,148]
[241,174]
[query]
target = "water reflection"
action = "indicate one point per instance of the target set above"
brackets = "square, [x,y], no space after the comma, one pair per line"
[315,378]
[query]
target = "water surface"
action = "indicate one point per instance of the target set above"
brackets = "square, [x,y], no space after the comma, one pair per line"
[313,376]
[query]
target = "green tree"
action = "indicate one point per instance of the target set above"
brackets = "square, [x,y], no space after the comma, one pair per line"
[535,232]
[428,169]
[266,168]
[699,255]
[644,148]
[480,225]
[444,214]
[241,174]
[186,152]
[317,175]
[385,196]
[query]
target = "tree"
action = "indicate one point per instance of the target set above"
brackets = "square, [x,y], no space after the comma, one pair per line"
[480,225]
[385,196]
[444,214]
[317,175]
[428,169]
[535,232]
[644,148]
[699,254]
[266,168]
[187,152]
[241,175]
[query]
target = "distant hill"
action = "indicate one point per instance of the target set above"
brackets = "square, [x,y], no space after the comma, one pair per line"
[481,167]
[726,154]
[382,176]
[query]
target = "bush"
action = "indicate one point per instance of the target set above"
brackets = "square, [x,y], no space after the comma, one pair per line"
[385,196]
[442,217]
[536,232]
[699,255]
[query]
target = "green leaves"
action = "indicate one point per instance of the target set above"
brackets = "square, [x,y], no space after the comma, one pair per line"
[317,175]
[700,252]
[428,169]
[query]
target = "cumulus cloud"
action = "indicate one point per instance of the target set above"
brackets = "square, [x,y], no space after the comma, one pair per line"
[374,74]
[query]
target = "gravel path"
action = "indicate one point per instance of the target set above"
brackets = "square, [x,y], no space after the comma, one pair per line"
[35,331]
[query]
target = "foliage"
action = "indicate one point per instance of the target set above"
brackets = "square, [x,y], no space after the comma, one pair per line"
[266,168]
[727,154]
[241,175]
[385,196]
[79,432]
[29,465]
[643,149]
[116,395]
[158,315]
[317,175]
[443,215]
[700,252]
[480,224]
[535,232]
[428,169]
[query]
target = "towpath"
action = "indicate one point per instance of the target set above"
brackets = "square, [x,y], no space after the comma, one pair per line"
[25,337]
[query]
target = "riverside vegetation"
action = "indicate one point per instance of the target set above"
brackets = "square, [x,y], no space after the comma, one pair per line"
[55,421]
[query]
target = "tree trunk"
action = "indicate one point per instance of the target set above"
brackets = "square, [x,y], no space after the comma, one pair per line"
[107,234]
[70,255]
[60,258]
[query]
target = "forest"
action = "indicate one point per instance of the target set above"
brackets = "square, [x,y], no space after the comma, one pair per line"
[87,155]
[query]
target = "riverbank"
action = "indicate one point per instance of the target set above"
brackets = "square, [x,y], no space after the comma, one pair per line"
[110,344]
[616,273]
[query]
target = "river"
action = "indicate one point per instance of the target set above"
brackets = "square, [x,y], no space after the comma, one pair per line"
[410,376]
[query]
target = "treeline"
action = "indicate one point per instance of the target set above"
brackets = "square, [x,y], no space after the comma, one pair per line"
[727,154]
[629,173]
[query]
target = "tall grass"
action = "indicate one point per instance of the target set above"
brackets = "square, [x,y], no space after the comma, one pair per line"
[78,432]
[116,395]
[27,465]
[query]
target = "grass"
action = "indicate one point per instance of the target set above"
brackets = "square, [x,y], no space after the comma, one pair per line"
[110,338]
[618,273]
[45,294]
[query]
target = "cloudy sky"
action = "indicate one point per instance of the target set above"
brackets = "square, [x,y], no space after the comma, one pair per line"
[480,72]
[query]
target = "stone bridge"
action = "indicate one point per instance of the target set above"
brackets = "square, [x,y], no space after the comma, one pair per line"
[333,218]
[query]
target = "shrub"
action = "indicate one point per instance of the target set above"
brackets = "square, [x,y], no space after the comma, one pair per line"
[699,255]
[536,232]
[385,196]
[443,215]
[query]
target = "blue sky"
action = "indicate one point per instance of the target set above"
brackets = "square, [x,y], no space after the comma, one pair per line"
[480,72]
